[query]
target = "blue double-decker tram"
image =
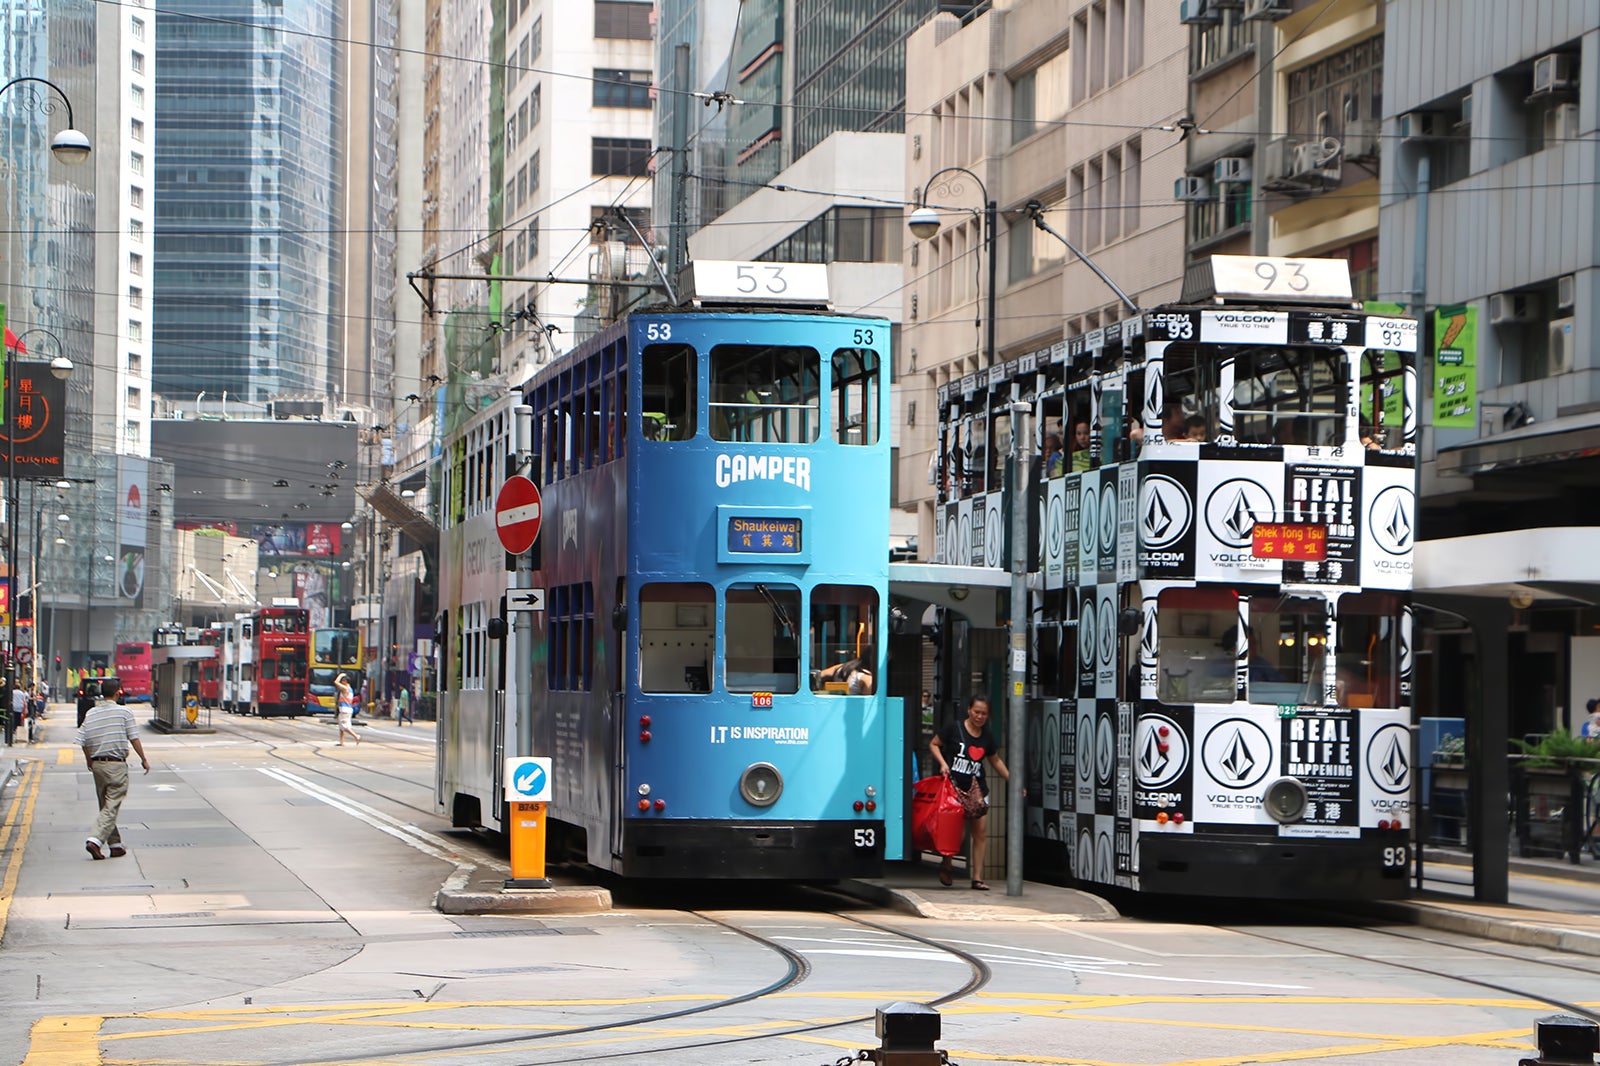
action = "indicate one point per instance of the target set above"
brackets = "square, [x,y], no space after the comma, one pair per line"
[1220,670]
[708,669]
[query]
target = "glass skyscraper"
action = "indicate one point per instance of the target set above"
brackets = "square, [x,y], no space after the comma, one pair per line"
[249,208]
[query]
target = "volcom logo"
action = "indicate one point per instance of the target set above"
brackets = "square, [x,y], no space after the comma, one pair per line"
[1405,643]
[1086,522]
[994,539]
[1105,750]
[1410,418]
[1149,636]
[964,541]
[1390,519]
[1161,751]
[1085,745]
[1165,512]
[1107,625]
[1052,747]
[1389,758]
[1057,526]
[1237,753]
[1233,509]
[951,539]
[1154,390]
[1105,870]
[1083,865]
[1108,518]
[1086,632]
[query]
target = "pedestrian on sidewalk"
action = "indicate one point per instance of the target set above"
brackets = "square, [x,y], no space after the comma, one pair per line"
[347,708]
[19,712]
[107,734]
[968,745]
[402,706]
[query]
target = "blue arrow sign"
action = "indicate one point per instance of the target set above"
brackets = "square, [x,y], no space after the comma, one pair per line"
[530,780]
[527,780]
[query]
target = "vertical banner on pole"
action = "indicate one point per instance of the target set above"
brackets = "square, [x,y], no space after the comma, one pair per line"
[132,479]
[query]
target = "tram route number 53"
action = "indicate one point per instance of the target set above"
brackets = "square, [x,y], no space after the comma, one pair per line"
[866,838]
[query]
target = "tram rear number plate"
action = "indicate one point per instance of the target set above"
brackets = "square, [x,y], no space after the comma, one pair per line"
[1396,856]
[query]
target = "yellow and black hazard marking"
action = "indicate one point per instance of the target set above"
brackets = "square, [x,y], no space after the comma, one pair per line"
[297,1030]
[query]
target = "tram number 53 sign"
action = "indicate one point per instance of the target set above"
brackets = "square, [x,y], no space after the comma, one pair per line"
[517,514]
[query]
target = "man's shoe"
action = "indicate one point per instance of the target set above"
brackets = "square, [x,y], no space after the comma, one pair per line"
[118,851]
[92,846]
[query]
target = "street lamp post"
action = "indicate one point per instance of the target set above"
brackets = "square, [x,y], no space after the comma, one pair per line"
[924,223]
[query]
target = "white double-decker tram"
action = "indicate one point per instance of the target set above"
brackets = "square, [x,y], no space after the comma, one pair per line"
[1220,666]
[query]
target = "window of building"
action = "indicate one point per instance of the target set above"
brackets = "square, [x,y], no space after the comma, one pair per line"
[1229,207]
[136,129]
[532,107]
[1040,95]
[856,398]
[767,393]
[625,157]
[1221,41]
[762,638]
[843,627]
[136,28]
[535,42]
[622,88]
[132,434]
[136,264]
[571,638]
[135,364]
[532,233]
[135,330]
[667,382]
[136,60]
[135,398]
[1093,191]
[677,636]
[533,174]
[1080,57]
[622,20]
[1132,191]
[136,97]
[135,297]
[136,230]
[1030,249]
[843,235]
[522,186]
[136,163]
[1198,634]
[1326,97]
[135,196]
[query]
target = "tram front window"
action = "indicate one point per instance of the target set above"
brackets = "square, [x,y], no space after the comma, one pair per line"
[762,638]
[1288,646]
[843,649]
[1284,395]
[677,636]
[765,393]
[667,377]
[1199,635]
[1368,650]
[855,396]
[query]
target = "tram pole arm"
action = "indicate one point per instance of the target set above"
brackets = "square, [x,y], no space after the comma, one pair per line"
[1017,672]
[1035,211]
[522,624]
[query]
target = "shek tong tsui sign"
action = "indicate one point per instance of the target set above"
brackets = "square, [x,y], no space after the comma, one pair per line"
[35,420]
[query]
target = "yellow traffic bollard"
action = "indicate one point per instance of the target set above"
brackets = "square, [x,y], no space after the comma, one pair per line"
[527,846]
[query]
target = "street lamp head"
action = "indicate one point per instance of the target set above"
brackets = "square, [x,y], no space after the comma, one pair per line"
[924,222]
[347,526]
[63,517]
[70,146]
[63,484]
[61,368]
[61,540]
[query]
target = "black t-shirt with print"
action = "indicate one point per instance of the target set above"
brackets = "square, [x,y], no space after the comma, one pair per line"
[964,753]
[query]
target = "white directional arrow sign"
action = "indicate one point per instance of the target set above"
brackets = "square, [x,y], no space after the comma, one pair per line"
[524,599]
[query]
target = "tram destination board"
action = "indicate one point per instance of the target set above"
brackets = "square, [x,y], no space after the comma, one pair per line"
[1289,540]
[764,536]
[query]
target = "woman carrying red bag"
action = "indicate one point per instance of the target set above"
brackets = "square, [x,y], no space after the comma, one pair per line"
[970,744]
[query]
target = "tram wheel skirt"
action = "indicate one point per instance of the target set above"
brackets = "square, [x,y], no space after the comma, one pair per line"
[791,851]
[1285,868]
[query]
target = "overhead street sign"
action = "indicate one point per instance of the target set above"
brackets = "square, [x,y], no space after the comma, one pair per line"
[517,514]
[524,599]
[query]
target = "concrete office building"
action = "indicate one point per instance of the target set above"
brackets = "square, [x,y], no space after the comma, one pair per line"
[1069,103]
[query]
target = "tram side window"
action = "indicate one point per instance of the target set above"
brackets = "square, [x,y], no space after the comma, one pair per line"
[1288,639]
[1368,650]
[677,636]
[766,393]
[570,639]
[1285,395]
[762,638]
[844,621]
[667,382]
[1189,401]
[1383,377]
[1198,631]
[855,396]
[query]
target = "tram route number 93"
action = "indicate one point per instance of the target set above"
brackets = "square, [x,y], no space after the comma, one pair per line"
[1397,856]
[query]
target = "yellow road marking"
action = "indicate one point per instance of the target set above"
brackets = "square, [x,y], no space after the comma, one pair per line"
[32,776]
[63,756]
[64,1040]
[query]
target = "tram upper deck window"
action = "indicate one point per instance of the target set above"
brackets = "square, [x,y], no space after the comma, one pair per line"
[666,380]
[764,393]
[1368,650]
[844,620]
[762,637]
[677,636]
[1198,631]
[1288,640]
[855,395]
[1289,395]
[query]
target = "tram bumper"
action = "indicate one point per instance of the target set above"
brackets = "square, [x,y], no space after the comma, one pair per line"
[792,851]
[1277,868]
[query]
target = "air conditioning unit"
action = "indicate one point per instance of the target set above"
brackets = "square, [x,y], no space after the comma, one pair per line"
[1231,170]
[1555,72]
[1198,13]
[1191,189]
[1317,158]
[1418,125]
[1512,308]
[1560,124]
[1560,345]
[1566,291]
[1268,9]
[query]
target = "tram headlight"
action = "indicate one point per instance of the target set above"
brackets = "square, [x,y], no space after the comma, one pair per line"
[1285,800]
[761,784]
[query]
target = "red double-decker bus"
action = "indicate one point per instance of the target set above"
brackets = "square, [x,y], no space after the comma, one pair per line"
[211,669]
[132,664]
[282,654]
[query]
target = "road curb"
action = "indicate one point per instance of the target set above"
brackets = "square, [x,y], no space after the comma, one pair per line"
[1503,930]
[910,901]
[553,901]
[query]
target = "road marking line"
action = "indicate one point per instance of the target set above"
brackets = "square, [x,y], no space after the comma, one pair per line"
[32,777]
[63,756]
[65,1040]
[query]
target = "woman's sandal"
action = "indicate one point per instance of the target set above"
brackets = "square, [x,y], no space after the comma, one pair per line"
[944,874]
[979,886]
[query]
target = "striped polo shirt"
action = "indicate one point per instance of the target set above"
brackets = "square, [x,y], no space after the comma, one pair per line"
[106,729]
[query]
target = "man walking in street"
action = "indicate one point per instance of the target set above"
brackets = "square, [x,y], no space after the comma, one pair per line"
[107,733]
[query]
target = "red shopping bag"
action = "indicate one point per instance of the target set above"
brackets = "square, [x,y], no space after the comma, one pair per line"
[937,817]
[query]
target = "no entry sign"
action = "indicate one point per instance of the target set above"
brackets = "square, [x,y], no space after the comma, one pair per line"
[517,513]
